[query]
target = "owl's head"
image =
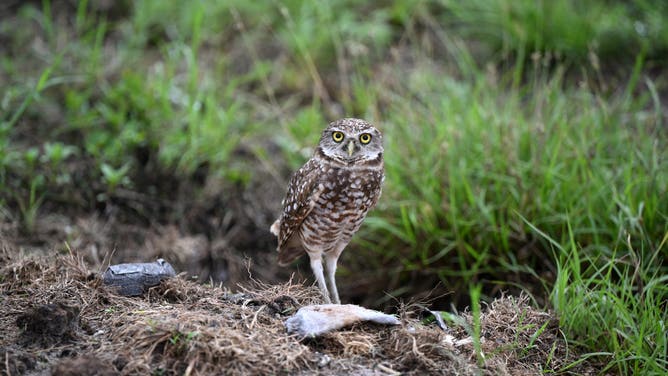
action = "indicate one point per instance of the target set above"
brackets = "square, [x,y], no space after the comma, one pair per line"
[351,140]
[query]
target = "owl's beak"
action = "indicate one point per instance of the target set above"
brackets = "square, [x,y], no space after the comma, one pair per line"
[351,148]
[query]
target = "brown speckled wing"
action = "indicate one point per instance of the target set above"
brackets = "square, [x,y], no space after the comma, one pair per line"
[303,192]
[379,177]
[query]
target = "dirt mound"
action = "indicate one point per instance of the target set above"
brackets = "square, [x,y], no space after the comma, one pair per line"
[49,323]
[85,365]
[57,316]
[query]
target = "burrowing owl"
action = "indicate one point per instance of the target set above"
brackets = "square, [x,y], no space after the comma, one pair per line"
[329,197]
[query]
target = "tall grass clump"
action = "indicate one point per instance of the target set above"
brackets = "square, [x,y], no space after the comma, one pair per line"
[463,159]
[614,305]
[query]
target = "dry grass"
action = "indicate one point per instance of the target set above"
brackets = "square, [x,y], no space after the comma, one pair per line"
[182,327]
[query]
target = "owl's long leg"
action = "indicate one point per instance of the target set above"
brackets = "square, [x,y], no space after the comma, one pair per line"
[316,266]
[330,269]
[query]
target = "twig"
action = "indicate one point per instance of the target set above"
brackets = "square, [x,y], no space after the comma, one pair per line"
[255,316]
[9,372]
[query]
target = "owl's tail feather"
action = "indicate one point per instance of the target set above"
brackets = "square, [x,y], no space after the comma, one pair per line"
[287,255]
[288,251]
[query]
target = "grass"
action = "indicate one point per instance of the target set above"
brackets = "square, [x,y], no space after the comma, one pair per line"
[616,303]
[516,156]
[588,171]
[475,318]
[563,29]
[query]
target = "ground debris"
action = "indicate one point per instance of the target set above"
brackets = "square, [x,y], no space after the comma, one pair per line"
[316,320]
[184,327]
[134,279]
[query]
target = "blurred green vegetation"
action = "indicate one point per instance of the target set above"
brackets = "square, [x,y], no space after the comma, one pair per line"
[525,140]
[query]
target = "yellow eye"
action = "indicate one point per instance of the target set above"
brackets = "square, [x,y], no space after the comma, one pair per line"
[337,136]
[365,138]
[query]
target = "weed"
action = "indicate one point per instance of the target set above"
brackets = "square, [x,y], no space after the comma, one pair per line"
[179,342]
[475,291]
[115,177]
[29,206]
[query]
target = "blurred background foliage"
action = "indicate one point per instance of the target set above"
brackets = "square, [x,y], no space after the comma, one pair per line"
[525,139]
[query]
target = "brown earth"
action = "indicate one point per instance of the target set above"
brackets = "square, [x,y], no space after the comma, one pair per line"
[58,318]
